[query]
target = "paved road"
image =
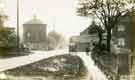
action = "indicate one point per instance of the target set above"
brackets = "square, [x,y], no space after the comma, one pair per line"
[10,63]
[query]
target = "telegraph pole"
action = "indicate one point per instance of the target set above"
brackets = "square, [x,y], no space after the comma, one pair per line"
[18,38]
[54,24]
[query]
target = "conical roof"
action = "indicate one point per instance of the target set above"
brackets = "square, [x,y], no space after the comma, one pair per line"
[34,20]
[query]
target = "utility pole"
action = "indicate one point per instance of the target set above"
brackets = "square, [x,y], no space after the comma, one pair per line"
[18,38]
[54,24]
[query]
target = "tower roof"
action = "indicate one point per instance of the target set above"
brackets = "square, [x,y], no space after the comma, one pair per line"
[34,20]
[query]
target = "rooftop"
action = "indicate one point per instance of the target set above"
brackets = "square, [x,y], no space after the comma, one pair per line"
[84,38]
[34,20]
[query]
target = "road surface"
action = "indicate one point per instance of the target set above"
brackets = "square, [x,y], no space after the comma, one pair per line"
[10,63]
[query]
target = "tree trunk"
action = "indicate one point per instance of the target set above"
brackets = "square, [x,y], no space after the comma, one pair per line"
[118,77]
[109,40]
[100,38]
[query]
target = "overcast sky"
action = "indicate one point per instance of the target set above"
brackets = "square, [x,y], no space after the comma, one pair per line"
[60,13]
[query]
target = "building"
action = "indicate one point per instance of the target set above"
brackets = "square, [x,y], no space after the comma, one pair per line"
[85,40]
[121,34]
[133,46]
[35,34]
[81,42]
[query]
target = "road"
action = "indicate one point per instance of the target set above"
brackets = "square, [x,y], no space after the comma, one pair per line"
[93,71]
[10,63]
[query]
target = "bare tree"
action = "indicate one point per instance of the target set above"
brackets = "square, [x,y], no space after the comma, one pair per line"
[107,11]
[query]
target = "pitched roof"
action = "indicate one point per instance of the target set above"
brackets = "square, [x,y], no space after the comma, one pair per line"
[92,29]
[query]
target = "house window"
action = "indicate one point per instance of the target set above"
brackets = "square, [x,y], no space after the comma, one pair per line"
[121,42]
[28,35]
[121,28]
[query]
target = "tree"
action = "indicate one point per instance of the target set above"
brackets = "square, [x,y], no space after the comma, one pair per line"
[51,42]
[55,40]
[97,29]
[107,11]
[7,37]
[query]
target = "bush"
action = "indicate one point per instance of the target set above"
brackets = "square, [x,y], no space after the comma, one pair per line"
[104,59]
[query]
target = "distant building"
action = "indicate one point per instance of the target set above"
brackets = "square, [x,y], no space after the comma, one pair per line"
[80,43]
[35,34]
[84,40]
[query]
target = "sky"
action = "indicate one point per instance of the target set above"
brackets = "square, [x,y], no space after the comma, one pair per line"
[55,13]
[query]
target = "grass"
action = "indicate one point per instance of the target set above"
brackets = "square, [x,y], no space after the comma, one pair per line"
[68,66]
